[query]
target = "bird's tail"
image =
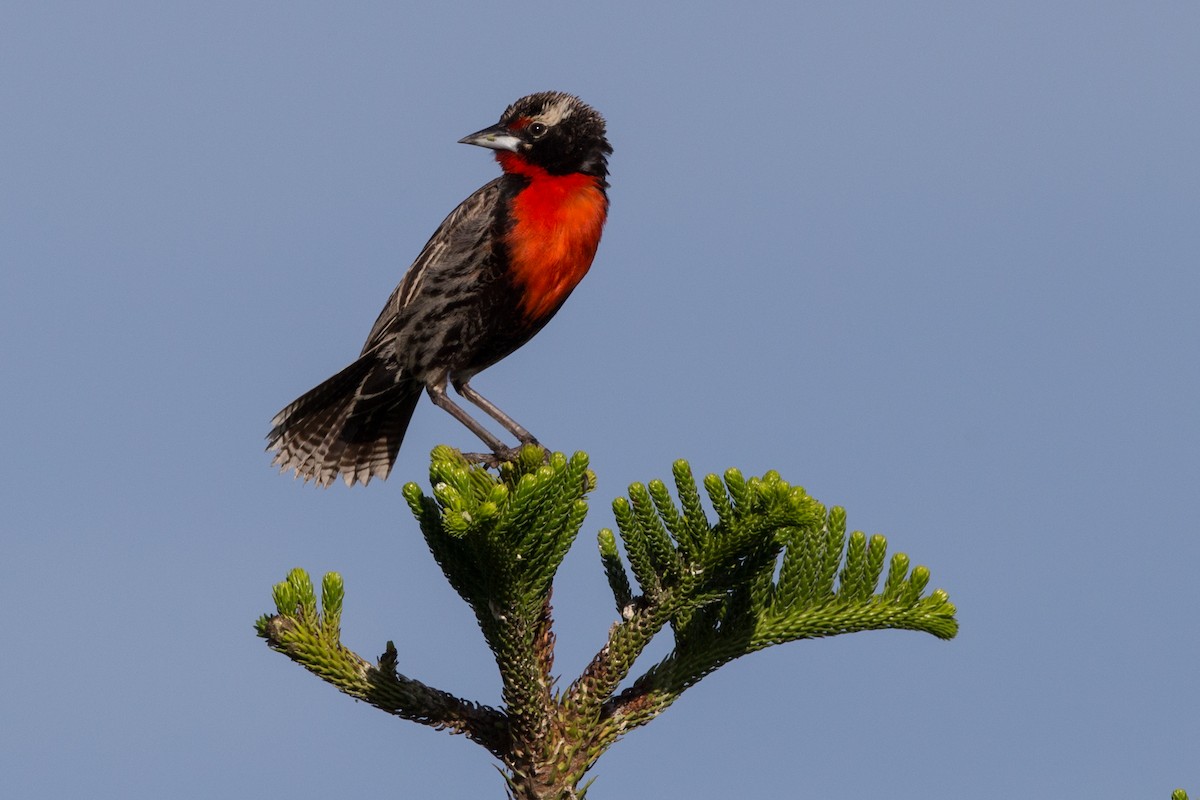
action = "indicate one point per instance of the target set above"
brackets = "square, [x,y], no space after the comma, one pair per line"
[352,424]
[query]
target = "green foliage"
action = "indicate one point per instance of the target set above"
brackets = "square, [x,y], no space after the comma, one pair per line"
[775,566]
[500,541]
[763,574]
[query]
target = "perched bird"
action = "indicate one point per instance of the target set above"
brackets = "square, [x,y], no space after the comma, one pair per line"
[491,276]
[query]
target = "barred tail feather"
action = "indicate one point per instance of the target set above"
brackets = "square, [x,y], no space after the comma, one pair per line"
[350,425]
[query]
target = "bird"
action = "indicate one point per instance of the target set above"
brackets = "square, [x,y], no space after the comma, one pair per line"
[495,271]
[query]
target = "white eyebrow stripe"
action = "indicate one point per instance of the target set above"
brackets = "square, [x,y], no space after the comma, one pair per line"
[556,112]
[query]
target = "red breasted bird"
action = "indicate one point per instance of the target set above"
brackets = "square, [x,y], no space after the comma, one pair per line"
[491,276]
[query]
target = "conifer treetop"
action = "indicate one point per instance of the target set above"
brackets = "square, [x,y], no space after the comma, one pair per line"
[770,565]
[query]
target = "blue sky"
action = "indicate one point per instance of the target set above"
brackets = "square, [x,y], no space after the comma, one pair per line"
[935,262]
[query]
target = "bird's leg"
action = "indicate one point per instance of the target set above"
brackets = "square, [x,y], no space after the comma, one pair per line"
[437,393]
[490,408]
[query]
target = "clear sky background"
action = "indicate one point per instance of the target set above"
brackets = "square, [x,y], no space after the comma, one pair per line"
[936,262]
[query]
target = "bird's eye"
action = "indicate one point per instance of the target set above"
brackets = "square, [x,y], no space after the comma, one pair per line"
[537,129]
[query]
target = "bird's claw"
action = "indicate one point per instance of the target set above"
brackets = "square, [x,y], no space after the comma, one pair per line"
[505,454]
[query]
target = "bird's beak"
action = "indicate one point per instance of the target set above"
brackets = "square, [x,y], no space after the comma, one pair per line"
[497,137]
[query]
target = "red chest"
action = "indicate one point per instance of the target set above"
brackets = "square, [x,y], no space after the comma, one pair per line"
[557,222]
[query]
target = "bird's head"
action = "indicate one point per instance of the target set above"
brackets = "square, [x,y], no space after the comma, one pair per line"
[550,131]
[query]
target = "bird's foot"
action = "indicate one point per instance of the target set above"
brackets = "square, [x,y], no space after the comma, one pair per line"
[502,455]
[493,460]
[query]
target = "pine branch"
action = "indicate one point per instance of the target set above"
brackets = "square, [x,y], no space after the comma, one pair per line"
[717,584]
[312,639]
[499,543]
